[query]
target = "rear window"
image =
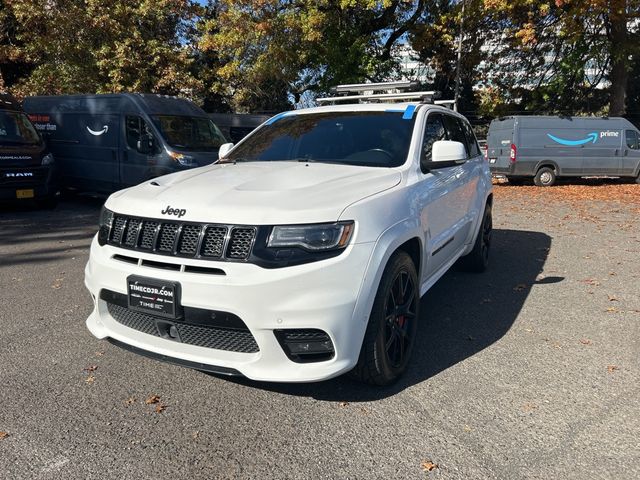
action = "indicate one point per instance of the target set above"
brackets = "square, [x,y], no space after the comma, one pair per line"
[378,139]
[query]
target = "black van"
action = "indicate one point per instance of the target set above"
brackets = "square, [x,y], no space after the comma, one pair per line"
[545,148]
[103,143]
[27,169]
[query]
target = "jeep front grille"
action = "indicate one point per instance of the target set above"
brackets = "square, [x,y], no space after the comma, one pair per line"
[193,240]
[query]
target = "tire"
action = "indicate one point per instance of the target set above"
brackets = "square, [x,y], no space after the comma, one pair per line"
[638,178]
[477,260]
[515,180]
[390,335]
[47,203]
[545,177]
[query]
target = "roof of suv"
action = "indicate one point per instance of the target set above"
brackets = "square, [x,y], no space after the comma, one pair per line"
[370,107]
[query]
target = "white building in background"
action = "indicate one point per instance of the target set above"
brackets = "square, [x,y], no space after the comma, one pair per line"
[410,67]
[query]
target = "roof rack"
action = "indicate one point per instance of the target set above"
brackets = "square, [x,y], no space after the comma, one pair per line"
[396,91]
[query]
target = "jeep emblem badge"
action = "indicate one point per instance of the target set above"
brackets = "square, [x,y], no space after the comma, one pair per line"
[174,211]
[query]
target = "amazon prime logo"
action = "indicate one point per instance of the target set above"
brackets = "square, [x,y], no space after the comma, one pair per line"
[173,211]
[591,138]
[97,133]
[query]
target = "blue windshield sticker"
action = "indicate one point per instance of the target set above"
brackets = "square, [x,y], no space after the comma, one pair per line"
[276,118]
[408,113]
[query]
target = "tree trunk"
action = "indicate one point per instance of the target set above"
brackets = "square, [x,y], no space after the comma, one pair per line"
[619,57]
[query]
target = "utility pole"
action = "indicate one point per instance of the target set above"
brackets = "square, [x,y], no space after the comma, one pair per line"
[457,91]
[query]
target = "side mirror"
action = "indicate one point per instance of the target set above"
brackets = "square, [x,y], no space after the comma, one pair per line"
[145,144]
[224,149]
[446,153]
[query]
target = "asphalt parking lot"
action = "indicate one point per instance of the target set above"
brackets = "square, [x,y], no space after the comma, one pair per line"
[531,370]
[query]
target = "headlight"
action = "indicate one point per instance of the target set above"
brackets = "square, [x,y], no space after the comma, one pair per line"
[106,219]
[317,238]
[47,159]
[182,159]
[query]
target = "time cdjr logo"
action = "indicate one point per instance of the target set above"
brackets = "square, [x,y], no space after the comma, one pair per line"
[173,211]
[152,290]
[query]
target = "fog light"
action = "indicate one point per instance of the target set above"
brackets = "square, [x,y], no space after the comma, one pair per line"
[305,345]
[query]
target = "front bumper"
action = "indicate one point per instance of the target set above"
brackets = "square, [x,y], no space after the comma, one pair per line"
[322,295]
[44,183]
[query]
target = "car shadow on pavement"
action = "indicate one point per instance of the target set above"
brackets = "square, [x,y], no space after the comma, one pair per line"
[29,235]
[460,316]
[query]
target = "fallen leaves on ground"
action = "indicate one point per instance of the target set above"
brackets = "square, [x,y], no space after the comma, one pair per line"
[612,298]
[3,435]
[130,401]
[91,368]
[160,408]
[343,404]
[585,341]
[612,368]
[529,407]
[152,399]
[428,466]
[90,379]
[587,190]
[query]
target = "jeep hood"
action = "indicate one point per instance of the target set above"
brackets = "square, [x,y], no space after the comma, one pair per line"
[255,193]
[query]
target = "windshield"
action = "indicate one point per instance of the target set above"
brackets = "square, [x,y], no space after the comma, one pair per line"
[189,133]
[16,129]
[378,139]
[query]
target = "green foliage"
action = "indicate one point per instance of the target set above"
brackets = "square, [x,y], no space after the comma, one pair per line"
[544,56]
[100,46]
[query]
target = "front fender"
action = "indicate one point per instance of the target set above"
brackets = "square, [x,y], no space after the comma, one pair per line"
[386,244]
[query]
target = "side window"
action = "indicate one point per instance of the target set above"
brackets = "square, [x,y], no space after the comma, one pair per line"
[134,127]
[455,131]
[474,149]
[133,130]
[632,139]
[433,131]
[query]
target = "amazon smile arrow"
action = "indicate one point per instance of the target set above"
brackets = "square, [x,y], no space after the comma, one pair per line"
[593,137]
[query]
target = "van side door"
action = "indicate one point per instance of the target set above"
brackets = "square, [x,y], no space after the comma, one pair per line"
[85,146]
[630,154]
[137,160]
[602,157]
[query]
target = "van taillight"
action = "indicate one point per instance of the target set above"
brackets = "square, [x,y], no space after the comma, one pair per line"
[513,153]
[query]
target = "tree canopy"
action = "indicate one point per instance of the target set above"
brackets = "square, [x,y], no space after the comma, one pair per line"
[544,56]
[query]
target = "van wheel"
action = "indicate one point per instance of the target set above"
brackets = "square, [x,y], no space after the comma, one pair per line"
[477,260]
[545,177]
[388,341]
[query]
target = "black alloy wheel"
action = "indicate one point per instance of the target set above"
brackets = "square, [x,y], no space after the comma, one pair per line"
[399,315]
[389,338]
[478,259]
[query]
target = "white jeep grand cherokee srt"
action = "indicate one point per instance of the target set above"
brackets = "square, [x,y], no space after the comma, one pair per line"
[303,253]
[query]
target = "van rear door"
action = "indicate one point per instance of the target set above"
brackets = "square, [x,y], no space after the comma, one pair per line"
[499,140]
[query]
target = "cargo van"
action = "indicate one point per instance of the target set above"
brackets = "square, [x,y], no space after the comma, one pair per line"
[546,148]
[27,168]
[107,142]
